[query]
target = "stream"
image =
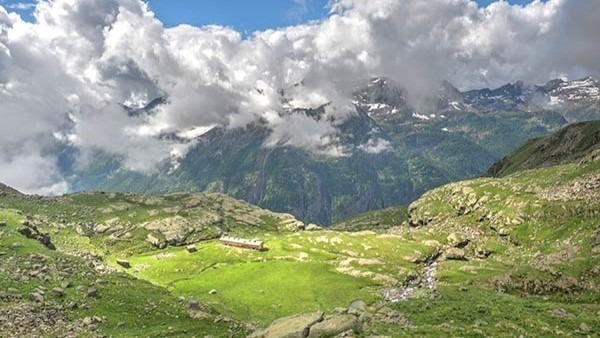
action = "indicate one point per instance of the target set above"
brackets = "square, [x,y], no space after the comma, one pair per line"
[401,293]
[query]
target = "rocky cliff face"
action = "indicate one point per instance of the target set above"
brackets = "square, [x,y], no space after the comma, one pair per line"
[393,151]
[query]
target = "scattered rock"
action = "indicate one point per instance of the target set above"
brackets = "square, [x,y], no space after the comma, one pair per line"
[36,297]
[27,319]
[58,292]
[340,310]
[585,328]
[91,293]
[335,325]
[26,231]
[596,239]
[124,263]
[155,241]
[66,284]
[483,253]
[312,227]
[357,307]
[456,240]
[91,320]
[387,315]
[3,223]
[191,248]
[212,292]
[454,254]
[503,232]
[32,232]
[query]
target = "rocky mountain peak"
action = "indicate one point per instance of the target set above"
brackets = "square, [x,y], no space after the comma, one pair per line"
[148,109]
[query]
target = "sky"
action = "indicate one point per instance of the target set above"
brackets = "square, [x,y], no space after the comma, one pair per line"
[245,16]
[68,66]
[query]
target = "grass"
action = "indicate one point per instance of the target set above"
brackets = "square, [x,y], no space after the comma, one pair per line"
[262,292]
[132,307]
[298,272]
[480,312]
[322,270]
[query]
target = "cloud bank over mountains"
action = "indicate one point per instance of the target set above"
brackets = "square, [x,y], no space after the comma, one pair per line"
[64,77]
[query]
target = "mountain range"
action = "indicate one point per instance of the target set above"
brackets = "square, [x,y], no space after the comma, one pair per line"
[394,148]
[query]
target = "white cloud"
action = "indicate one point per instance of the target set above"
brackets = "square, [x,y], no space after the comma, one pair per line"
[66,73]
[375,146]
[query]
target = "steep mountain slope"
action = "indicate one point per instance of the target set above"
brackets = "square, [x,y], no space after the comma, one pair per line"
[6,190]
[393,152]
[571,144]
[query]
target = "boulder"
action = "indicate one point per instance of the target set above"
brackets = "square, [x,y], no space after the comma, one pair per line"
[3,223]
[455,254]
[335,325]
[191,248]
[124,263]
[91,293]
[583,327]
[357,307]
[312,227]
[58,292]
[36,297]
[504,232]
[483,253]
[456,240]
[596,239]
[46,241]
[27,232]
[91,320]
[297,326]
[155,241]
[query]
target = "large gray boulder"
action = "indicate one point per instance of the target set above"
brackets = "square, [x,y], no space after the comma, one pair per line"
[335,325]
[455,254]
[297,326]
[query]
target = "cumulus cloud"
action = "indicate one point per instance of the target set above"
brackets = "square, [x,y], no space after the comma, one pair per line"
[375,146]
[64,76]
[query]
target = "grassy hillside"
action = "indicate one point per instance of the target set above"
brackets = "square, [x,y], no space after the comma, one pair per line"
[518,255]
[376,220]
[46,293]
[570,144]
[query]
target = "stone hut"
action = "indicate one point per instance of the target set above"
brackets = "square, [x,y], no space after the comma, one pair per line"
[242,243]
